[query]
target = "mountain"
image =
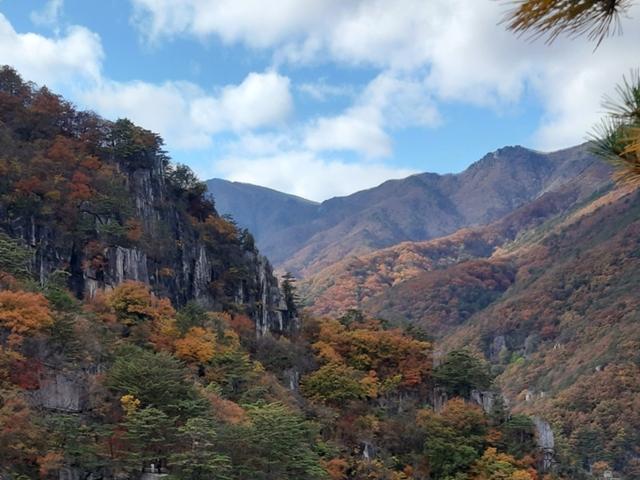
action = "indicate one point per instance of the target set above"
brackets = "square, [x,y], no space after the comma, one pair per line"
[263,211]
[354,281]
[547,295]
[416,208]
[100,203]
[142,335]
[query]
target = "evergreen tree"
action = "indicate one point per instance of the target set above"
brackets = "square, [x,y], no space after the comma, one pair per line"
[461,372]
[275,445]
[155,379]
[289,291]
[150,435]
[198,457]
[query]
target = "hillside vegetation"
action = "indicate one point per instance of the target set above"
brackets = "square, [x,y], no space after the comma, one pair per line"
[142,333]
[553,309]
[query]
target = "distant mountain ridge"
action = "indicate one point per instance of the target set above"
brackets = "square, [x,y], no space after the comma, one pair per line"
[258,208]
[305,237]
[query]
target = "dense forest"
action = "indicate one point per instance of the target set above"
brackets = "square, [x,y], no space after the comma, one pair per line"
[123,356]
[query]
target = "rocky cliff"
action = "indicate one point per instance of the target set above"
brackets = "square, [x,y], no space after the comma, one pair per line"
[101,202]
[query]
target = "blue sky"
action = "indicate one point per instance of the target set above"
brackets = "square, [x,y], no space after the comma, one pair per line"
[322,97]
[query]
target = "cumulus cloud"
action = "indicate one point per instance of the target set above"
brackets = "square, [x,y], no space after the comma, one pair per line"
[76,56]
[304,173]
[187,116]
[387,102]
[466,56]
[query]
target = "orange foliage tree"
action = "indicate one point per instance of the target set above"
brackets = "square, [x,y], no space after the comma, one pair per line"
[198,345]
[367,347]
[24,313]
[153,317]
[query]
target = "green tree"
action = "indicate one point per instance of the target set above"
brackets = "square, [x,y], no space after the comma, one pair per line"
[289,291]
[334,384]
[198,457]
[617,139]
[454,437]
[461,372]
[150,435]
[518,434]
[77,439]
[234,372]
[277,444]
[155,379]
[14,257]
[191,315]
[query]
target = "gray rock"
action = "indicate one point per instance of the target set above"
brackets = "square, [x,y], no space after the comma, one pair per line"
[545,441]
[63,391]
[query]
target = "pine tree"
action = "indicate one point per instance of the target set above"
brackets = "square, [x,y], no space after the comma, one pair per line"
[198,457]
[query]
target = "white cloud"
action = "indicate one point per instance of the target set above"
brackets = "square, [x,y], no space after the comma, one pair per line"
[387,102]
[467,56]
[188,117]
[73,57]
[182,112]
[250,21]
[321,90]
[48,15]
[358,129]
[261,99]
[303,173]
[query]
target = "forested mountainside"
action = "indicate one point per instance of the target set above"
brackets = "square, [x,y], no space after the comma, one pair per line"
[420,207]
[553,309]
[142,336]
[352,282]
[100,202]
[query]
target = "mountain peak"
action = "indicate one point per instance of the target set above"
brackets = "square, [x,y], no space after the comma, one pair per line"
[303,237]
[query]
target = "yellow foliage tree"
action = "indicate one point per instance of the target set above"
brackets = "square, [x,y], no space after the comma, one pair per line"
[133,302]
[198,345]
[129,403]
[153,317]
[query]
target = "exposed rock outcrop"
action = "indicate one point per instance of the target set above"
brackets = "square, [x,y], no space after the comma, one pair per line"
[173,251]
[545,441]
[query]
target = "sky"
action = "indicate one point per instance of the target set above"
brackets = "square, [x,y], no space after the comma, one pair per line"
[318,98]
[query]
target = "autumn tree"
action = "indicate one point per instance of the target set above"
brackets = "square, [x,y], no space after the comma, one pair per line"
[368,347]
[499,466]
[197,345]
[21,439]
[143,315]
[23,314]
[133,303]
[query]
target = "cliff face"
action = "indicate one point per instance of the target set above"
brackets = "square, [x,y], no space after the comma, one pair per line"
[100,201]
